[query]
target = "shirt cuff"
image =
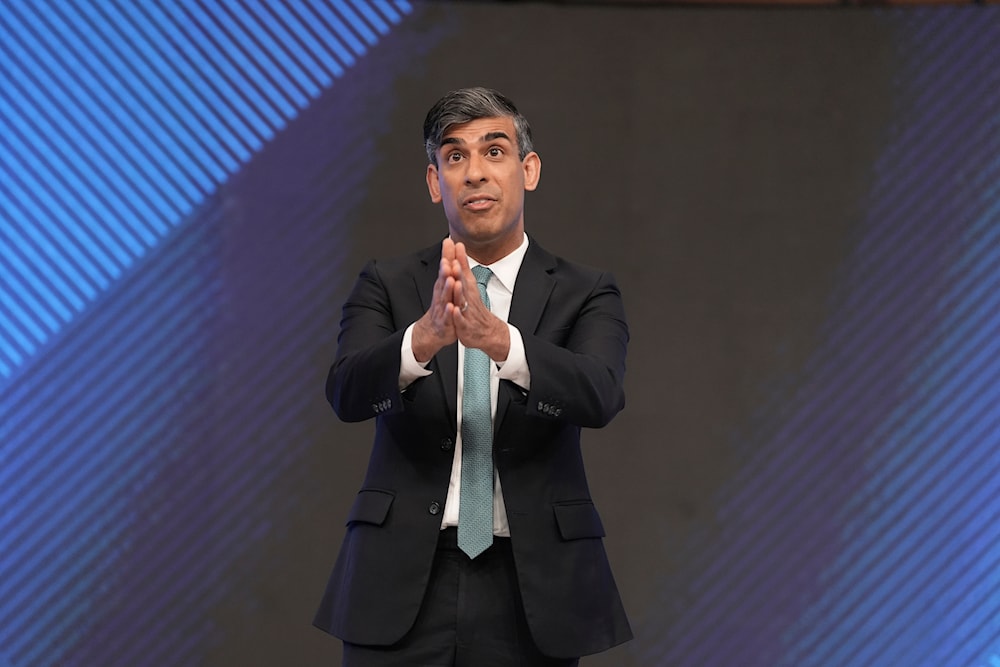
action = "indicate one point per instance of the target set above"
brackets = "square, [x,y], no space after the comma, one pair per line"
[515,368]
[409,368]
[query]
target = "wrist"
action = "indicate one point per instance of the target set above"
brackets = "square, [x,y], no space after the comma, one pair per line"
[500,343]
[420,343]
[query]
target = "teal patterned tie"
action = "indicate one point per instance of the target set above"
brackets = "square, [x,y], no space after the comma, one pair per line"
[475,509]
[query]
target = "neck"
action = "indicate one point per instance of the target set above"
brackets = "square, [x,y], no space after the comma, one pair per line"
[489,253]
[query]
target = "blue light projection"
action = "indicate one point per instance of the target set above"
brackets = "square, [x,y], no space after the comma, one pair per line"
[136,459]
[864,526]
[994,661]
[120,118]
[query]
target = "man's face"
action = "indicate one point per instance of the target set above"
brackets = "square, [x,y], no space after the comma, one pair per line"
[480,180]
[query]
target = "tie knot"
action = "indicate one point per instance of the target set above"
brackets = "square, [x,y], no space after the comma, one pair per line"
[482,274]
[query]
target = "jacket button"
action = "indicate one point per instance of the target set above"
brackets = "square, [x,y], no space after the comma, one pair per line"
[447,444]
[434,508]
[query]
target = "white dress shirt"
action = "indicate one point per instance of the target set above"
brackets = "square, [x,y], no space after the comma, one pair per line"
[500,290]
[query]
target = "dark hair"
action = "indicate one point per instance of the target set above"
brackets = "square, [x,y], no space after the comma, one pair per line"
[468,104]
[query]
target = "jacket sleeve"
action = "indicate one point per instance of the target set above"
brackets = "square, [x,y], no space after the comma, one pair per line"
[364,379]
[577,357]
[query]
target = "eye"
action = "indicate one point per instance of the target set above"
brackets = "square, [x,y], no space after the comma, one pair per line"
[494,152]
[454,156]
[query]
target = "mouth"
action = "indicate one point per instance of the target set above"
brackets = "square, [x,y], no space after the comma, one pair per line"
[478,202]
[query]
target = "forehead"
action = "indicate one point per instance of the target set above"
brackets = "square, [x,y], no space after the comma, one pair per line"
[479,129]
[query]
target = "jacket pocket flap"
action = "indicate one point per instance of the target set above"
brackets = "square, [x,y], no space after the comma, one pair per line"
[370,506]
[578,519]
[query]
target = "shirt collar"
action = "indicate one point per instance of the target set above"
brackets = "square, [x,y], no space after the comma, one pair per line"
[506,269]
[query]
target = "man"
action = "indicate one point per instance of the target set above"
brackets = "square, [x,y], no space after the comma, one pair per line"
[473,540]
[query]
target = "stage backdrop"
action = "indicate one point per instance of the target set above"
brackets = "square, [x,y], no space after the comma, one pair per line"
[802,208]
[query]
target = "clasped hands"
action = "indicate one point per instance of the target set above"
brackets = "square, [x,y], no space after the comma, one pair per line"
[458,313]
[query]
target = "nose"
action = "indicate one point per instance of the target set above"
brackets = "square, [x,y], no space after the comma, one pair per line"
[475,170]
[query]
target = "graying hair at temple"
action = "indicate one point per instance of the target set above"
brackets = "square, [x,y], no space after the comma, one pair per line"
[468,104]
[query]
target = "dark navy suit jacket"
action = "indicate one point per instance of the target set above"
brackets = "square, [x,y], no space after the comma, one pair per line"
[572,322]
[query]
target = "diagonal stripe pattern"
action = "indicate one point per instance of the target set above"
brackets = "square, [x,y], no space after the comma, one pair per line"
[138,476]
[120,118]
[864,525]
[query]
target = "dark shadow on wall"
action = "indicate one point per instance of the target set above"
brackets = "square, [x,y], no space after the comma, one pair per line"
[717,161]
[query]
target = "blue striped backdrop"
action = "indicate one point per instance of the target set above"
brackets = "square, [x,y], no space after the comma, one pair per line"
[863,527]
[130,487]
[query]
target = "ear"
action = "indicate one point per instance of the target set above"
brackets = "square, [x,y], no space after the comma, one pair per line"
[532,165]
[432,184]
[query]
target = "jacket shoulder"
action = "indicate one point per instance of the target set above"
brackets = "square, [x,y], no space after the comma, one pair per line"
[392,266]
[561,268]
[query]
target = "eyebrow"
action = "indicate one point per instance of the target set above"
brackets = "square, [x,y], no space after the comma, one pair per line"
[489,136]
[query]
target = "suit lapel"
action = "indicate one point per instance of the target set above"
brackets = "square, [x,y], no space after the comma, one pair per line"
[532,290]
[445,362]
[531,293]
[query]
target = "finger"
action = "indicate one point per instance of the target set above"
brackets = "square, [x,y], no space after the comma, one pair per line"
[460,318]
[443,274]
[462,257]
[457,295]
[463,271]
[448,249]
[469,324]
[448,289]
[442,296]
[442,309]
[446,268]
[439,285]
[461,268]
